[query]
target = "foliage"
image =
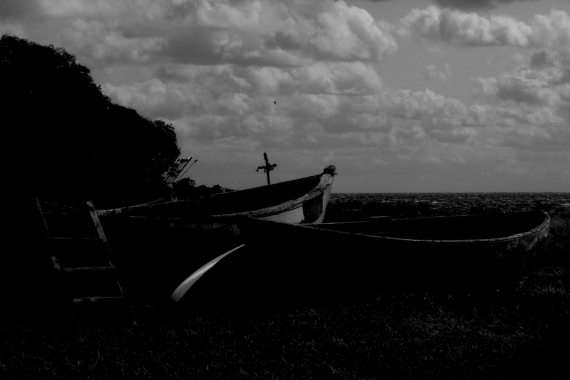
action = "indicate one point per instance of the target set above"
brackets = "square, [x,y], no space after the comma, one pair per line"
[64,137]
[188,183]
[186,188]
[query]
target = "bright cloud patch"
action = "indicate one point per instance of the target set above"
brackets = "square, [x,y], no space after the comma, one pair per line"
[215,31]
[544,82]
[552,30]
[531,104]
[323,28]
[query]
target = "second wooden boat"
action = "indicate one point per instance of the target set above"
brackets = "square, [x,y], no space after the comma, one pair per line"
[293,262]
[439,249]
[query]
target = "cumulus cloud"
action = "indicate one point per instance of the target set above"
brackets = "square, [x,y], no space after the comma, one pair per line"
[470,29]
[407,104]
[249,32]
[544,81]
[334,105]
[325,27]
[158,99]
[177,90]
[323,30]
[529,107]
[549,58]
[354,78]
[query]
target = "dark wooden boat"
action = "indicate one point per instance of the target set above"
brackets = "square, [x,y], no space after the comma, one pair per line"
[457,249]
[282,261]
[159,245]
[299,201]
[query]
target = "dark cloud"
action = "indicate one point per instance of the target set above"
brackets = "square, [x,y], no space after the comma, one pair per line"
[192,45]
[541,59]
[565,79]
[14,9]
[546,58]
[176,12]
[474,5]
[467,5]
[283,41]
[518,94]
[139,30]
[198,46]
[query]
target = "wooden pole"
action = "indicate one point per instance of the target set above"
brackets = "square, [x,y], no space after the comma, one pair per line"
[267,167]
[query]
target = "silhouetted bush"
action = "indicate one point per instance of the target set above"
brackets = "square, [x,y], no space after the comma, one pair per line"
[63,137]
[186,188]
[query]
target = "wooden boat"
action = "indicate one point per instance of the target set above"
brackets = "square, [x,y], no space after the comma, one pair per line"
[281,261]
[299,201]
[159,245]
[445,250]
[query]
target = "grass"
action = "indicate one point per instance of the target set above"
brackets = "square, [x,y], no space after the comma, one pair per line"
[501,334]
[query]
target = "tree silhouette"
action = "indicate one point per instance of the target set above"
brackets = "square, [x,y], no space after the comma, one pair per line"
[63,137]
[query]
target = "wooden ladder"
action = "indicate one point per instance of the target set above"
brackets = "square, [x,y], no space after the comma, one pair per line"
[86,272]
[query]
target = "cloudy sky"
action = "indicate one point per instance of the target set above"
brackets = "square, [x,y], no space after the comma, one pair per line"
[400,95]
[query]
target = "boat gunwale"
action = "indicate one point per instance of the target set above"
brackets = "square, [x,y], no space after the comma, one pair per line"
[325,180]
[544,224]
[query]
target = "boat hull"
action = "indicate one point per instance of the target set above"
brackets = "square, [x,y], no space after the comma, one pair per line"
[465,250]
[299,201]
[295,263]
[158,246]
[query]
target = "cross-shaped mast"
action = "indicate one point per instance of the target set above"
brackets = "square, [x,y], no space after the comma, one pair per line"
[267,167]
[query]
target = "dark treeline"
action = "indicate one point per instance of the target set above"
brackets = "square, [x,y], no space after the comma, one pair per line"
[64,138]
[186,188]
[64,141]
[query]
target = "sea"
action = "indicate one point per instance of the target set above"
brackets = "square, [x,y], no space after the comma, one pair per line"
[358,206]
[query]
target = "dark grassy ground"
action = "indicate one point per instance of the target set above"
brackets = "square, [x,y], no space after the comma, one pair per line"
[523,332]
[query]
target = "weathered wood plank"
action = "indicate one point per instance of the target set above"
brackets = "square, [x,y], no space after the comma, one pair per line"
[73,278]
